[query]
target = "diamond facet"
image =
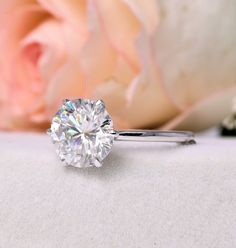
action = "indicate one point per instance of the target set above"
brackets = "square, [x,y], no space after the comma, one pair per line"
[82,130]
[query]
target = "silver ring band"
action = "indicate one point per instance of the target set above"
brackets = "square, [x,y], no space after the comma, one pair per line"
[184,137]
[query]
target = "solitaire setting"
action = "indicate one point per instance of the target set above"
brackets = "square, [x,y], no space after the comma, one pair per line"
[82,131]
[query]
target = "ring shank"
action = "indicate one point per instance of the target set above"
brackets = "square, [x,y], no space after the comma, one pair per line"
[185,137]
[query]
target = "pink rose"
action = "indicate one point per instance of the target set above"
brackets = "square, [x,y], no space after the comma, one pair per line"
[167,64]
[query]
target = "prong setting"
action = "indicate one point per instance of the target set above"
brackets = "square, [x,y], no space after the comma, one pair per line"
[97,163]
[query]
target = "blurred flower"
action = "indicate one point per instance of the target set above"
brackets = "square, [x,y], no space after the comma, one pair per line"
[162,63]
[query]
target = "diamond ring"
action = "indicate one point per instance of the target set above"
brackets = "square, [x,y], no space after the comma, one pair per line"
[83,133]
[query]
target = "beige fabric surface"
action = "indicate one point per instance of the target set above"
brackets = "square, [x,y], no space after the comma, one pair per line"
[146,195]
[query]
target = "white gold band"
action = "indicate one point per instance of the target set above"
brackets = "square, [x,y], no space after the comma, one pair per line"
[184,137]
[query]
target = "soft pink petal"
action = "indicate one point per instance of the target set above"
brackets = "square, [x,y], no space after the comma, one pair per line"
[205,113]
[13,31]
[66,83]
[97,57]
[149,105]
[146,13]
[121,27]
[74,12]
[51,38]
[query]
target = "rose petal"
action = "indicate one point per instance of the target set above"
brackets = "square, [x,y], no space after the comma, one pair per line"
[146,13]
[204,114]
[195,48]
[97,57]
[115,15]
[74,13]
[66,83]
[50,36]
[149,105]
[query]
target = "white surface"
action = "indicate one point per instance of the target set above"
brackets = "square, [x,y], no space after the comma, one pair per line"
[146,195]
